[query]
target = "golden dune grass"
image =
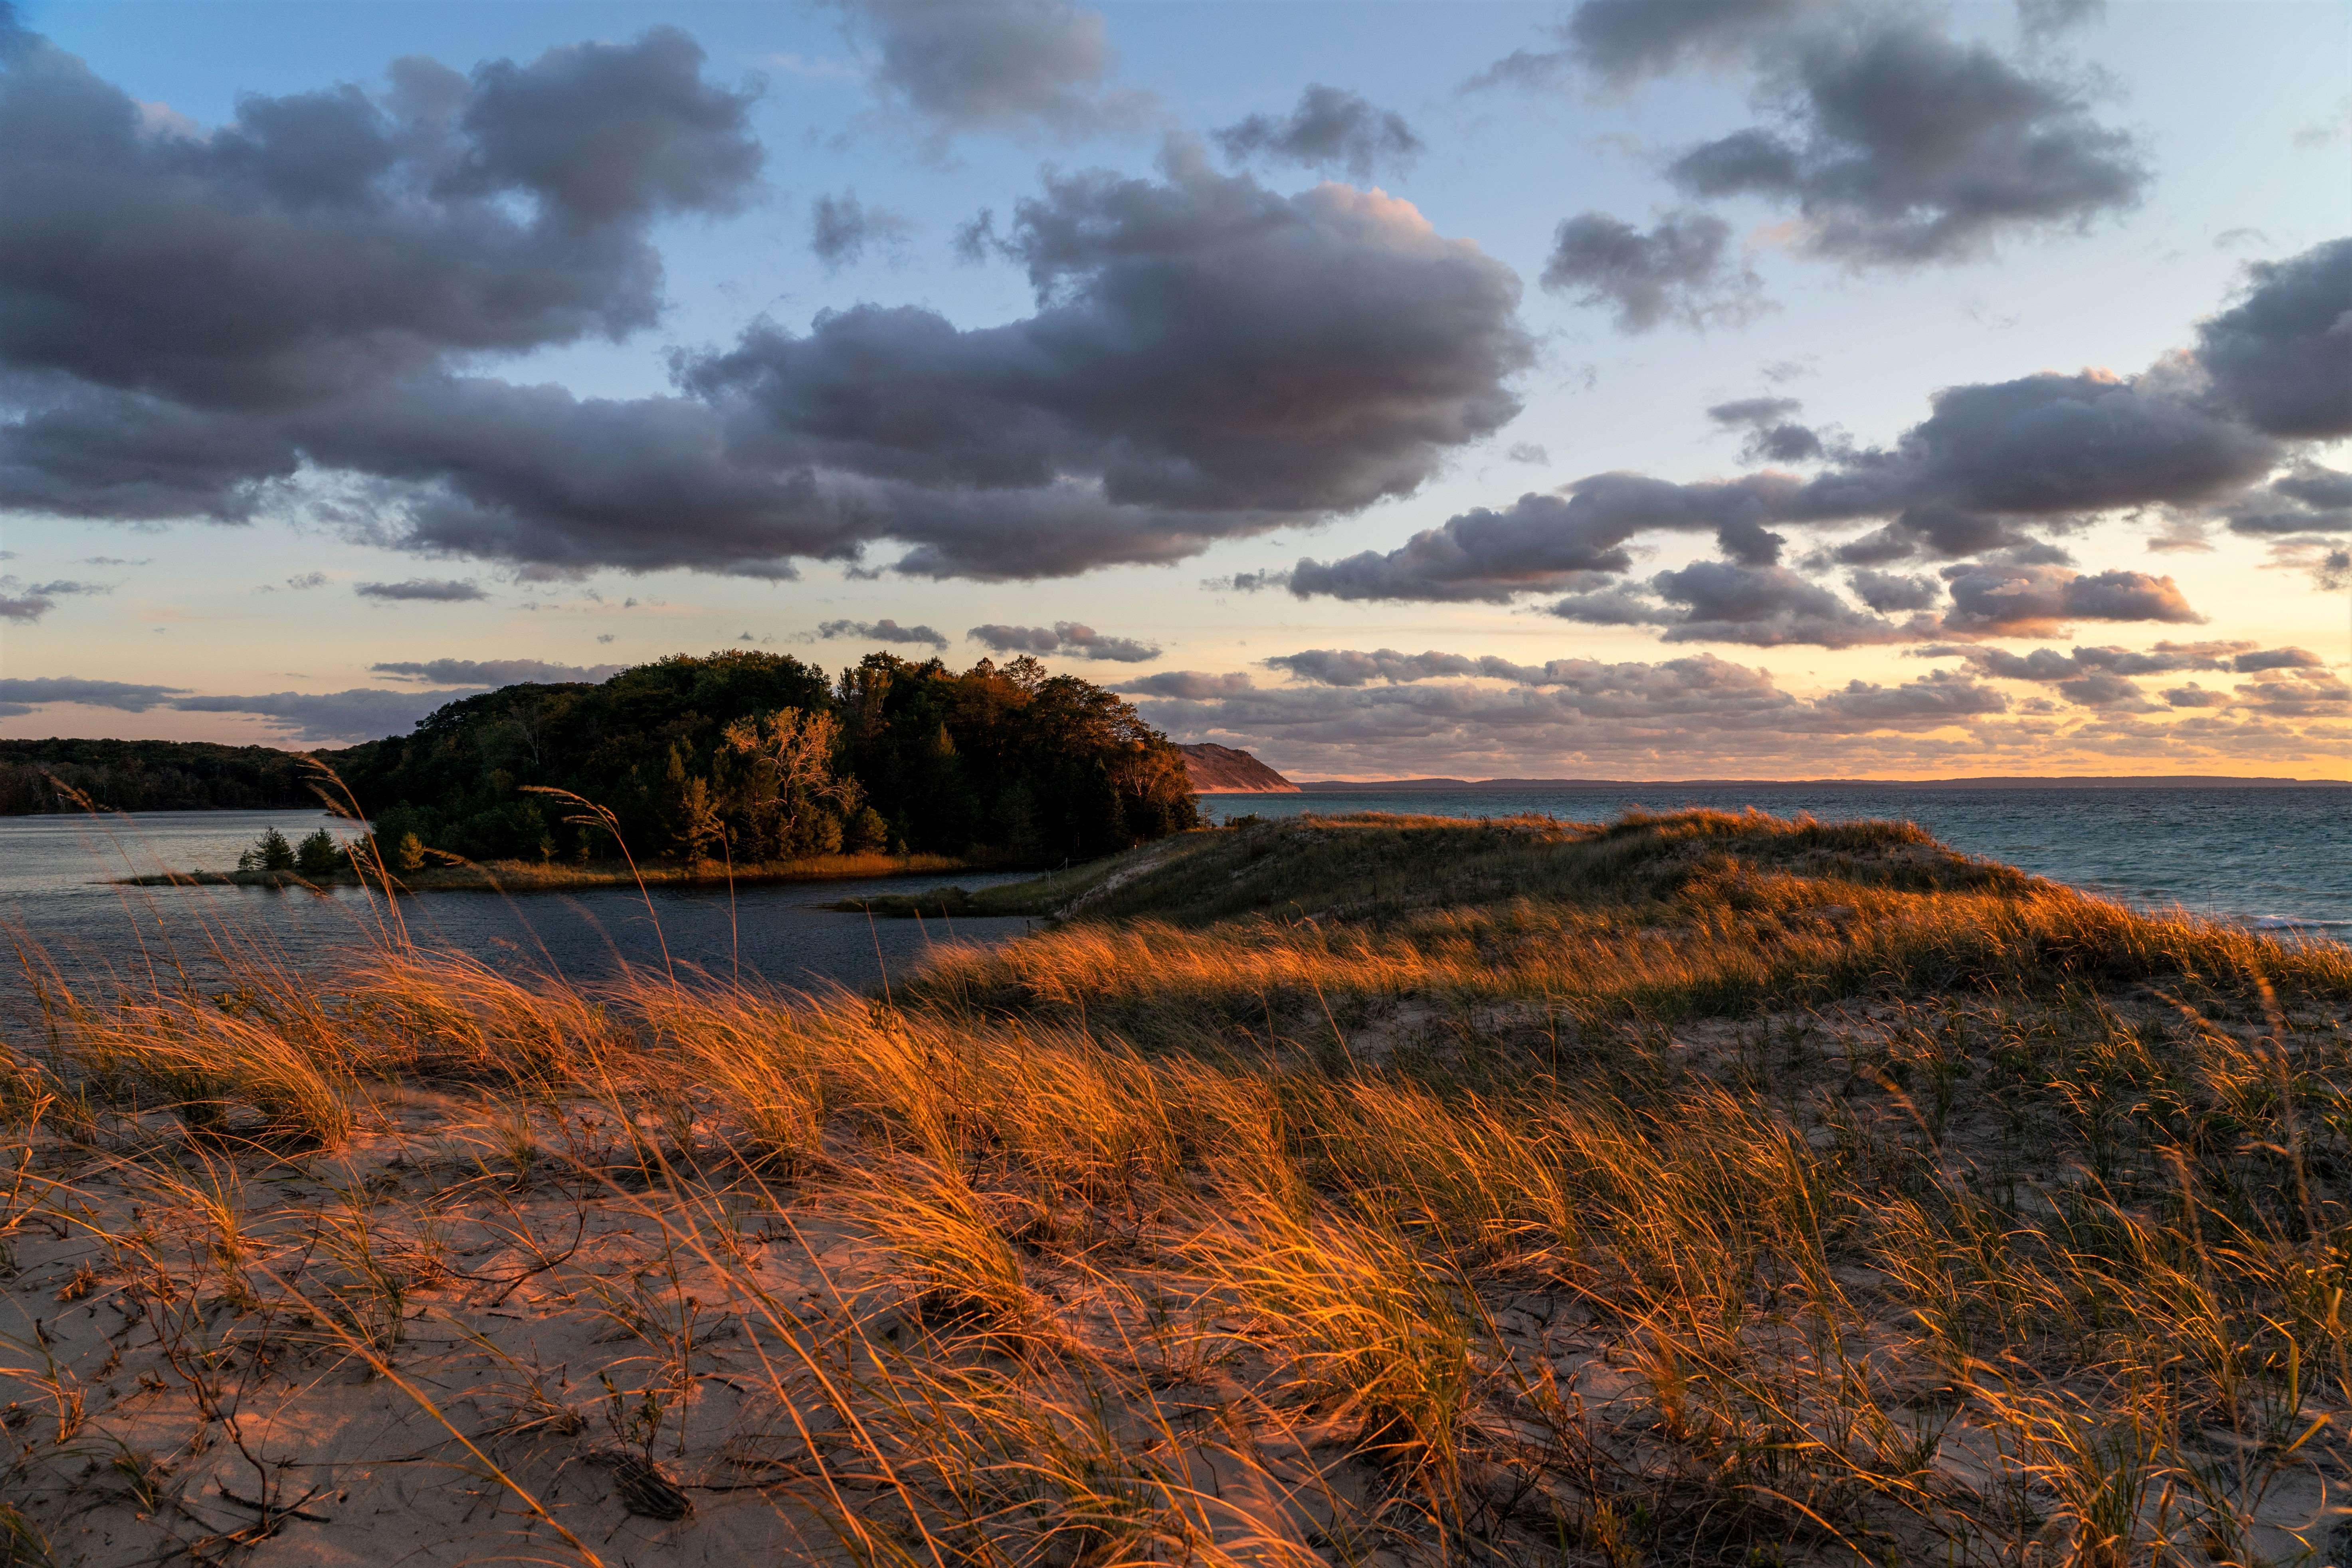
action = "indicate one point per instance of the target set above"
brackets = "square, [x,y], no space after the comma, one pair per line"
[1708,1194]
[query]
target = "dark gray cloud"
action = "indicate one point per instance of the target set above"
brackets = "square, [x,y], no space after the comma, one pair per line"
[1940,696]
[1208,359]
[1761,606]
[1532,545]
[1620,42]
[1681,271]
[1990,461]
[1895,142]
[1070,639]
[493,671]
[1330,129]
[430,590]
[303,580]
[1021,67]
[884,630]
[321,242]
[316,718]
[2050,665]
[1193,684]
[1771,436]
[1889,593]
[841,228]
[22,696]
[2034,601]
[23,601]
[320,717]
[2282,355]
[1898,144]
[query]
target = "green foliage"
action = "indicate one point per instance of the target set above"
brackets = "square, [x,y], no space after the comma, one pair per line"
[759,757]
[270,852]
[148,775]
[319,855]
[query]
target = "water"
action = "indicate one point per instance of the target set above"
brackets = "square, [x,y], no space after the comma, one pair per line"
[2278,857]
[55,874]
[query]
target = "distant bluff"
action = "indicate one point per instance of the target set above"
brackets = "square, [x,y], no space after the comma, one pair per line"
[1223,770]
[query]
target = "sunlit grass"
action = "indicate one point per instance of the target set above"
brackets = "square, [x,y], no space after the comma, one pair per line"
[1700,1188]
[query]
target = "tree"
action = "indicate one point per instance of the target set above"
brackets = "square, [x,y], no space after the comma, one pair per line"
[270,852]
[319,855]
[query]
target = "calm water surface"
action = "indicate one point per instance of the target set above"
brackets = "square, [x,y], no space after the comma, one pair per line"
[2274,858]
[54,873]
[2280,858]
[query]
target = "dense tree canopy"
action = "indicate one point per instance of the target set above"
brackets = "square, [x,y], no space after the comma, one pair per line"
[760,756]
[147,776]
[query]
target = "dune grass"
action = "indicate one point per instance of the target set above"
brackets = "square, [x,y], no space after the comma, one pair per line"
[1697,1188]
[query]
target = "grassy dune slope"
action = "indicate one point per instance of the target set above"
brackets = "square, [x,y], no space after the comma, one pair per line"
[1693,1189]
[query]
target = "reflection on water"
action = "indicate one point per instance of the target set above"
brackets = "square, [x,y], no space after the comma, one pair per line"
[54,889]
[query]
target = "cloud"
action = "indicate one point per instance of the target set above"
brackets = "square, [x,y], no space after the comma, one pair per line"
[1208,359]
[1528,452]
[1990,462]
[1889,592]
[1898,144]
[1388,713]
[431,589]
[1330,129]
[1681,271]
[22,696]
[1772,436]
[363,713]
[2282,355]
[2050,665]
[1620,42]
[303,579]
[842,227]
[1026,67]
[323,241]
[1191,684]
[1068,638]
[1894,142]
[28,602]
[2034,601]
[2307,498]
[2043,19]
[493,671]
[1762,606]
[882,631]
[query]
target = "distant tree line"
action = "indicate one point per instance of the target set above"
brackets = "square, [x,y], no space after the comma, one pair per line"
[148,775]
[753,757]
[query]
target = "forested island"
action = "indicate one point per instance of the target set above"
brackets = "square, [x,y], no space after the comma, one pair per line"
[751,764]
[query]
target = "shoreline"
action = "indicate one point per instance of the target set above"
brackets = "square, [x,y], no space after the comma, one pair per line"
[523,877]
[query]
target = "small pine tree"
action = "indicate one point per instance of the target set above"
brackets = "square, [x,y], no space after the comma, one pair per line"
[270,852]
[319,855]
[408,855]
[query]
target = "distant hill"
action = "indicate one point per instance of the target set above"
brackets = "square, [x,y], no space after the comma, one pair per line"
[1223,770]
[148,775]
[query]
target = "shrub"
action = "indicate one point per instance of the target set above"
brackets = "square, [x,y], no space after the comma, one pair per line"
[270,852]
[319,855]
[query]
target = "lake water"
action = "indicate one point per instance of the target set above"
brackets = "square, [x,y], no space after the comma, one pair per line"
[2275,858]
[54,873]
[2280,858]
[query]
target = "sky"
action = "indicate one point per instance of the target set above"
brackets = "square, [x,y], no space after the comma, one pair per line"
[1629,389]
